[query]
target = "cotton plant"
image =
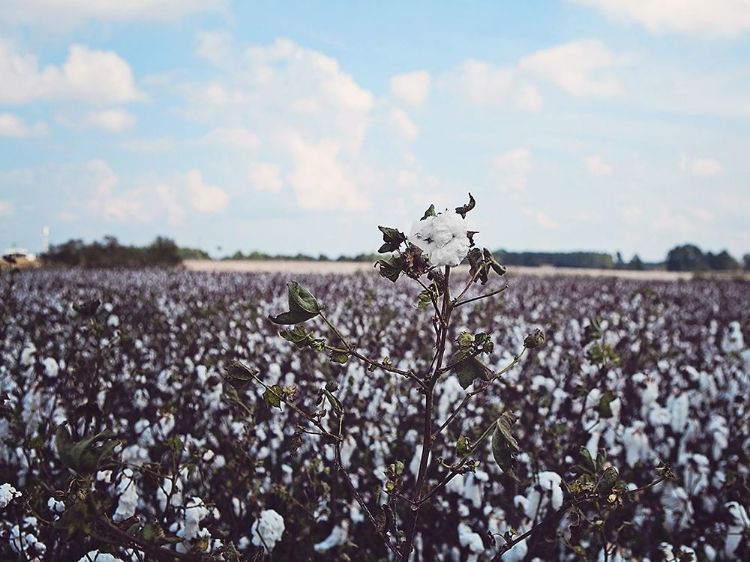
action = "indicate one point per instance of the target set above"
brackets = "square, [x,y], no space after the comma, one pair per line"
[436,245]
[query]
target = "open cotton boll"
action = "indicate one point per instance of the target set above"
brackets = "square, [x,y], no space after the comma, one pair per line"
[470,539]
[442,238]
[267,529]
[7,494]
[339,535]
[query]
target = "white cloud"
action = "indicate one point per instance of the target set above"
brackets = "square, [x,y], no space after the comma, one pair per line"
[13,126]
[715,17]
[705,167]
[237,137]
[480,82]
[319,179]
[579,67]
[169,200]
[148,145]
[544,221]
[404,126]
[632,213]
[111,120]
[215,46]
[528,98]
[7,209]
[68,14]
[203,197]
[596,166]
[94,76]
[280,87]
[265,177]
[412,87]
[513,168]
[100,178]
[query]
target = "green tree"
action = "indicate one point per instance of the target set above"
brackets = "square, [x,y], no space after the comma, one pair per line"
[686,258]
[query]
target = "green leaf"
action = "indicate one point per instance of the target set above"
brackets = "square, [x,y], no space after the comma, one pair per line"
[463,446]
[302,306]
[504,446]
[390,267]
[335,402]
[392,239]
[588,461]
[607,482]
[465,340]
[272,396]
[469,368]
[605,410]
[429,213]
[339,356]
[239,375]
[85,456]
[534,340]
[424,299]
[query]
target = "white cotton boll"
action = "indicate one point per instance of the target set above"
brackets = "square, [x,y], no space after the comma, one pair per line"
[733,341]
[339,535]
[55,506]
[28,355]
[740,522]
[442,238]
[113,320]
[96,556]
[7,494]
[267,529]
[592,445]
[720,430]
[456,484]
[659,416]
[51,368]
[195,512]
[517,553]
[470,539]
[679,407]
[636,444]
[347,449]
[128,497]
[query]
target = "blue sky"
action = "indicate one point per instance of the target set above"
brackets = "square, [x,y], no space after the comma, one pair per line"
[285,127]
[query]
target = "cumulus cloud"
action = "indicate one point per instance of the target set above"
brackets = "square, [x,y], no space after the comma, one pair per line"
[282,86]
[215,46]
[596,166]
[411,87]
[581,68]
[513,169]
[404,126]
[237,137]
[148,144]
[319,179]
[544,221]
[205,198]
[528,98]
[73,13]
[632,213]
[705,167]
[715,17]
[7,209]
[111,120]
[13,126]
[265,177]
[90,75]
[480,82]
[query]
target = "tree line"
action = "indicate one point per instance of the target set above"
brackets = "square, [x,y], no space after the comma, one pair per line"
[163,252]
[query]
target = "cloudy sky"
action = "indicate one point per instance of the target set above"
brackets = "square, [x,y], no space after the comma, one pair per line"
[300,126]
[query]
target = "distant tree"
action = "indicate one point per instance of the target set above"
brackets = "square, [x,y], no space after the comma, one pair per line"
[686,258]
[109,253]
[746,262]
[619,262]
[193,254]
[636,264]
[722,261]
[162,252]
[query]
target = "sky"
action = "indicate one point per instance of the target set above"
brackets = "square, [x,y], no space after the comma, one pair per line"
[298,126]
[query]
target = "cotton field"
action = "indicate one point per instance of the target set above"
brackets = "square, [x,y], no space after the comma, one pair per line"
[651,372]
